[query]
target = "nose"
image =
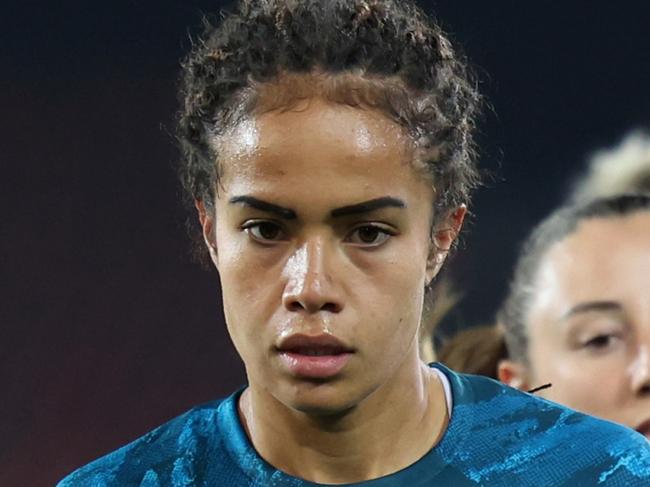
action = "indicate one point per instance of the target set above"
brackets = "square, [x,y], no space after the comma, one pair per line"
[641,372]
[309,285]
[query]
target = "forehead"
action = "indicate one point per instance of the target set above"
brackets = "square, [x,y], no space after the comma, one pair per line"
[603,259]
[319,146]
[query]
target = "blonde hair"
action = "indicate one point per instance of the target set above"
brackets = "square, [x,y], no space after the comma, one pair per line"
[624,168]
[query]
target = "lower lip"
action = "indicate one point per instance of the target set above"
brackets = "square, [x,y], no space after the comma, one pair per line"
[314,366]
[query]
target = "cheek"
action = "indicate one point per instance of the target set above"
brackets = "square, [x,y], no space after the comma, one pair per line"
[244,283]
[396,302]
[588,384]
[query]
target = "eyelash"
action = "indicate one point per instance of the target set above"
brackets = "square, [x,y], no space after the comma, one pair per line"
[250,226]
[596,343]
[388,233]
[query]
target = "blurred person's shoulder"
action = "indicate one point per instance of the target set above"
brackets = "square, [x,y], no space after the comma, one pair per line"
[175,453]
[510,434]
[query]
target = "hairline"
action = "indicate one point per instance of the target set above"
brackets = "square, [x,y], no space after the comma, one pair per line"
[248,108]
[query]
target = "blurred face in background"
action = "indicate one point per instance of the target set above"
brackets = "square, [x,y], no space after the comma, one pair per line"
[589,323]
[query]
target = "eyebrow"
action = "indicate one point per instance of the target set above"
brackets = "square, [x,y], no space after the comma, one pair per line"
[607,306]
[265,206]
[368,206]
[289,214]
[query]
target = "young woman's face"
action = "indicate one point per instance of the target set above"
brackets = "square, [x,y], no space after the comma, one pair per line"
[589,325]
[322,238]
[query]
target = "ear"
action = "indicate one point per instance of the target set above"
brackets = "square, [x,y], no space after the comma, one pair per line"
[442,239]
[514,374]
[206,219]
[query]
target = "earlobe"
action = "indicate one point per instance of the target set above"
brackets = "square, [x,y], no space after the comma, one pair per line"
[207,226]
[434,262]
[513,374]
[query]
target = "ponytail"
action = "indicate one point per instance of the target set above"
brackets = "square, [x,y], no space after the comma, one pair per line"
[476,350]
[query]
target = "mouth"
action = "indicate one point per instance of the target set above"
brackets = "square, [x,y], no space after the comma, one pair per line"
[314,357]
[644,428]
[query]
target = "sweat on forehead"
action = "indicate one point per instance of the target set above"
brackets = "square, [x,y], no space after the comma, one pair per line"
[238,131]
[315,137]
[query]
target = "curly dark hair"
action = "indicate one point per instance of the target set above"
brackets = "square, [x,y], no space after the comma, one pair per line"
[393,56]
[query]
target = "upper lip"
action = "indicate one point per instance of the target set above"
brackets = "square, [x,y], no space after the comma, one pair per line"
[644,427]
[298,342]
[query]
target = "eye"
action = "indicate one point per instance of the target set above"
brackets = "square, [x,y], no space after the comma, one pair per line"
[264,231]
[369,235]
[601,342]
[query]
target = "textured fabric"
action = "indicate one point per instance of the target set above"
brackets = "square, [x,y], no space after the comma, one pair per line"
[497,436]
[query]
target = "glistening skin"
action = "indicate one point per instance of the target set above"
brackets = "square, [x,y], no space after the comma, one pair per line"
[322,235]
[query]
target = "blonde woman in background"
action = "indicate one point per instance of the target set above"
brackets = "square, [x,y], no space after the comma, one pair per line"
[578,312]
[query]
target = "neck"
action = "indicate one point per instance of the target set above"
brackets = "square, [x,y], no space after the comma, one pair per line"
[387,431]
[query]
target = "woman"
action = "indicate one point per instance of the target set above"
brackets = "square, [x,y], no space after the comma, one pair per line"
[327,149]
[578,314]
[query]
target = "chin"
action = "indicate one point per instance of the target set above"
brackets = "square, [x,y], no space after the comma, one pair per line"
[321,399]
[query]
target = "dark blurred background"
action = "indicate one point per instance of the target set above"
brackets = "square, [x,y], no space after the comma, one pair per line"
[107,328]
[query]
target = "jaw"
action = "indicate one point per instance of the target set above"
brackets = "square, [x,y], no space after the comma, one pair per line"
[354,390]
[297,424]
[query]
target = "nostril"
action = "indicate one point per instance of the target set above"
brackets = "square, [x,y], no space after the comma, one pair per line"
[645,390]
[295,306]
[331,307]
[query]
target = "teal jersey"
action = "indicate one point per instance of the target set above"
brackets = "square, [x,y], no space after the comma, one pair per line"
[497,436]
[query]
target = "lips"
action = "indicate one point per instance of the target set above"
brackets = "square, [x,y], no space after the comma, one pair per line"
[316,352]
[314,357]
